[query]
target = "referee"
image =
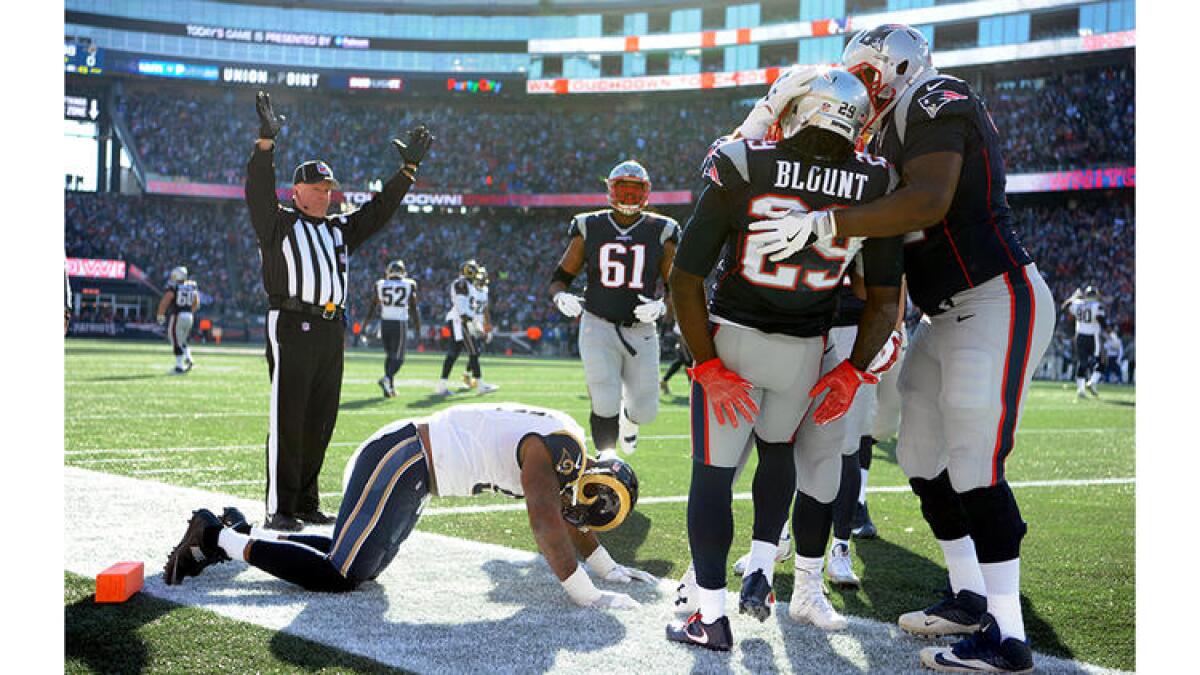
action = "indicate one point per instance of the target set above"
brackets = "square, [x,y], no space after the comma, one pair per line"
[304,262]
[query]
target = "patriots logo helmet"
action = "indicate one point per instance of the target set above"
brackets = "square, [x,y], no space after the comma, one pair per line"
[888,59]
[628,188]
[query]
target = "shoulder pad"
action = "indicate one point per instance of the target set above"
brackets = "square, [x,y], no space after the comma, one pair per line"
[939,97]
[579,223]
[726,163]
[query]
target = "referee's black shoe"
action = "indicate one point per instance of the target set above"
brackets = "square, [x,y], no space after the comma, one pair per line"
[283,522]
[315,517]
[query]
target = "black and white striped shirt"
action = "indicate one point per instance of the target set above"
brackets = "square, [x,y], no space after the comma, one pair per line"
[305,257]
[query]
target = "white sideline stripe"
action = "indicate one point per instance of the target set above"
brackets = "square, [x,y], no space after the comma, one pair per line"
[660,437]
[448,604]
[123,460]
[150,472]
[745,496]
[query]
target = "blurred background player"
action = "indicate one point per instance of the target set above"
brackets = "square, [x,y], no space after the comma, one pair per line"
[396,301]
[460,317]
[1086,309]
[761,358]
[626,250]
[1114,354]
[177,310]
[480,326]
[530,453]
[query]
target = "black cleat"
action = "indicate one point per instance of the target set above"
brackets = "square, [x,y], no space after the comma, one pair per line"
[862,527]
[757,596]
[315,517]
[191,556]
[956,614]
[233,518]
[715,636]
[983,651]
[282,522]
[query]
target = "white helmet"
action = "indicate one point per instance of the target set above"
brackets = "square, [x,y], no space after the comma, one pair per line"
[888,59]
[836,101]
[628,188]
[179,275]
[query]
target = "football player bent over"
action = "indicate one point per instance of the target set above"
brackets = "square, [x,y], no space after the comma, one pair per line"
[760,359]
[626,250]
[513,449]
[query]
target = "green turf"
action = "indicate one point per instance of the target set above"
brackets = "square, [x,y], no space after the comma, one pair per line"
[126,415]
[150,635]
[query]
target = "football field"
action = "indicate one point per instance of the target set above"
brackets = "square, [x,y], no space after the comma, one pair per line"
[156,443]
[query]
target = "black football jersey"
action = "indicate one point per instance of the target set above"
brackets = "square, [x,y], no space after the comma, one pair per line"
[747,181]
[975,241]
[622,262]
[185,293]
[849,306]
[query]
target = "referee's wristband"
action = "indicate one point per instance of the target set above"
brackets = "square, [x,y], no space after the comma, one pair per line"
[601,562]
[580,588]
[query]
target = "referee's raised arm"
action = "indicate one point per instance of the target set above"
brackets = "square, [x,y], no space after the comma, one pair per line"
[260,172]
[371,218]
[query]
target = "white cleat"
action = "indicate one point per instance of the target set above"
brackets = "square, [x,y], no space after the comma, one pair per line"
[840,571]
[487,388]
[442,390]
[809,605]
[782,553]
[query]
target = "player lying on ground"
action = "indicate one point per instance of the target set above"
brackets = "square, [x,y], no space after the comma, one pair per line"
[517,450]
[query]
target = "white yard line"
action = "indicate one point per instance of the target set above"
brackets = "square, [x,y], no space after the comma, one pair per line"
[648,437]
[745,496]
[448,604]
[151,472]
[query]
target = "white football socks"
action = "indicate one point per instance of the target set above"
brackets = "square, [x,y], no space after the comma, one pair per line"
[711,602]
[1095,379]
[232,543]
[963,565]
[762,557]
[862,487]
[1004,596]
[808,568]
[1079,384]
[257,532]
[179,361]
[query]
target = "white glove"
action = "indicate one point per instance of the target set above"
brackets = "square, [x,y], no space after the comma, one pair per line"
[568,304]
[602,565]
[888,354]
[161,318]
[784,236]
[650,310]
[610,600]
[794,82]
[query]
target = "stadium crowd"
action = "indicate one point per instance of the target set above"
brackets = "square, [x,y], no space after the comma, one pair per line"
[1056,121]
[1083,241]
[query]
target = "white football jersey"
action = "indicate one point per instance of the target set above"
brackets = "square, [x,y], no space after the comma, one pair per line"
[478,298]
[393,296]
[460,300]
[475,446]
[1087,315]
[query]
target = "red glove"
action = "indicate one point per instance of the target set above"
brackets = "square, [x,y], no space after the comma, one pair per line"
[888,354]
[728,392]
[842,383]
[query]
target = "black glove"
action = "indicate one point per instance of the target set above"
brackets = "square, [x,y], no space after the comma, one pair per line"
[413,150]
[268,122]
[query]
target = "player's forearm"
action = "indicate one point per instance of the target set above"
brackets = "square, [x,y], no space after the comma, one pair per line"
[876,324]
[551,533]
[585,543]
[908,209]
[687,295]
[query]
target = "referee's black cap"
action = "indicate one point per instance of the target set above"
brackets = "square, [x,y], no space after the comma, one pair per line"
[314,171]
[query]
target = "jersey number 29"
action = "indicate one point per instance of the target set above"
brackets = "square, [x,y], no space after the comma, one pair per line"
[823,273]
